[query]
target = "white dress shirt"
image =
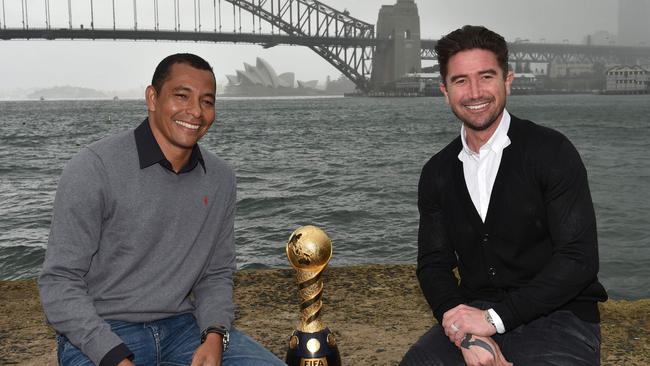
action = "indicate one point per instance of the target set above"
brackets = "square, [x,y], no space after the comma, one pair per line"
[480,170]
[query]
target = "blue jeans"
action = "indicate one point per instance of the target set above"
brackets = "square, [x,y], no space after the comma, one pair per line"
[170,342]
[560,338]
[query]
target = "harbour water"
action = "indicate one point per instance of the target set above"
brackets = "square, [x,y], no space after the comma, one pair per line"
[348,165]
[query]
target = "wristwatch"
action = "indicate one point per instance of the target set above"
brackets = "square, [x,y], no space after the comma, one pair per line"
[489,319]
[490,315]
[219,329]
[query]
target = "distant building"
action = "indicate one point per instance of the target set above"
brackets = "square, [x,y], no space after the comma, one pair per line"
[634,23]
[600,38]
[428,84]
[262,74]
[537,68]
[525,83]
[340,86]
[627,80]
[262,80]
[418,84]
[311,84]
[561,70]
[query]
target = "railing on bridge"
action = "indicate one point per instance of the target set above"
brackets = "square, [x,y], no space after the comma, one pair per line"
[344,41]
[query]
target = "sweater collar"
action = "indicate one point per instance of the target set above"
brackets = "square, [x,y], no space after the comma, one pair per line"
[149,152]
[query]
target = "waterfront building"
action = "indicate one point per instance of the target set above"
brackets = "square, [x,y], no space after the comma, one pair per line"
[627,80]
[427,84]
[308,84]
[340,86]
[526,83]
[262,80]
[418,84]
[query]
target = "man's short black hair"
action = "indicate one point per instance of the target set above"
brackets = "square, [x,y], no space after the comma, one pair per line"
[467,38]
[164,67]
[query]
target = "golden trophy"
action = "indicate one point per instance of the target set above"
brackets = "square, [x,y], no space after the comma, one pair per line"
[309,250]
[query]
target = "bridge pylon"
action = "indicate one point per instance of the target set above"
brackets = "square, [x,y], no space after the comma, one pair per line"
[398,26]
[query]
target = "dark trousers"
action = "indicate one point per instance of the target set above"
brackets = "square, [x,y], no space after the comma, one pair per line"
[560,338]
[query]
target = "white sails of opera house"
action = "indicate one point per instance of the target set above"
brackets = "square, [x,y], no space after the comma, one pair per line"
[262,80]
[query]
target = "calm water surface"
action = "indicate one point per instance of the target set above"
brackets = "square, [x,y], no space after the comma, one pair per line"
[348,165]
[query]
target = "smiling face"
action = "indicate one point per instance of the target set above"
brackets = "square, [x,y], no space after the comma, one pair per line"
[182,111]
[476,88]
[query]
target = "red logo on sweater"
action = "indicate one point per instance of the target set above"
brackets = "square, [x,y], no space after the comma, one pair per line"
[205,200]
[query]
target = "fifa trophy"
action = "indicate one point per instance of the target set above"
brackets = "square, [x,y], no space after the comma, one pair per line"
[309,250]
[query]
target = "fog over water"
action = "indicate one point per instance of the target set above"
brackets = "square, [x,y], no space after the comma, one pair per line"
[120,65]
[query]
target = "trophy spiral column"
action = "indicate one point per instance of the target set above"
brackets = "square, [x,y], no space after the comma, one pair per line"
[309,250]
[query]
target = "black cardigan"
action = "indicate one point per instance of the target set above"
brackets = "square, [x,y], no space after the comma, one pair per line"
[537,251]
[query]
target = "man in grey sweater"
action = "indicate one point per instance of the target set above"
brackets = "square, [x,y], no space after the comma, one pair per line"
[140,258]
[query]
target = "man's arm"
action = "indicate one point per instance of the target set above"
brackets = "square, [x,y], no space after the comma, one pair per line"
[478,350]
[74,239]
[436,259]
[210,352]
[573,265]
[213,293]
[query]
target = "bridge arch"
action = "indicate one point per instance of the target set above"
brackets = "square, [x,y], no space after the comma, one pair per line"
[345,42]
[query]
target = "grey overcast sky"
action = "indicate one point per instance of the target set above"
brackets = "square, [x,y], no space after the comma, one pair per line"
[120,65]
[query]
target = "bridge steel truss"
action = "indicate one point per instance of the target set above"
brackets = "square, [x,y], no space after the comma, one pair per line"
[563,53]
[315,20]
[583,54]
[342,40]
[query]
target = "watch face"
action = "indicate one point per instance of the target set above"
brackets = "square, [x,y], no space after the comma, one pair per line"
[225,340]
[488,317]
[225,336]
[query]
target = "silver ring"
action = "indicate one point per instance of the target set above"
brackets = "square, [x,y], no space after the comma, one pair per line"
[454,327]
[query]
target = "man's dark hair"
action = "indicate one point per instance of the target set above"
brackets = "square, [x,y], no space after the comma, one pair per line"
[164,67]
[467,38]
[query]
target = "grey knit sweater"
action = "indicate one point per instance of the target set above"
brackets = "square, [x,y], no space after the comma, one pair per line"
[137,244]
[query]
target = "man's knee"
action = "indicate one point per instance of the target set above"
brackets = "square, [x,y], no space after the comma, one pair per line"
[433,349]
[243,350]
[558,338]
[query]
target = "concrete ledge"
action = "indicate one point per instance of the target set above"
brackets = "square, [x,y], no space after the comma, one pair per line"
[376,312]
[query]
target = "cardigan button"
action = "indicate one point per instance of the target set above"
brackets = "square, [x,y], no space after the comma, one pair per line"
[492,271]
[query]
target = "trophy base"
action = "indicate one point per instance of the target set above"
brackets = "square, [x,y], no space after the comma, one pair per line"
[313,349]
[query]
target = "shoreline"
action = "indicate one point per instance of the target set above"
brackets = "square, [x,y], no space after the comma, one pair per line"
[326,96]
[375,311]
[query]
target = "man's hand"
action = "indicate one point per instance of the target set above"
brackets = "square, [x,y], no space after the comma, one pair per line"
[482,351]
[463,320]
[209,353]
[125,362]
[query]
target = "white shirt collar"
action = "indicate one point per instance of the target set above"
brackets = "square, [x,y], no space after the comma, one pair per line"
[497,142]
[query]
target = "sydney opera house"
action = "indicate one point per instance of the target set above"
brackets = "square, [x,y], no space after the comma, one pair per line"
[261,80]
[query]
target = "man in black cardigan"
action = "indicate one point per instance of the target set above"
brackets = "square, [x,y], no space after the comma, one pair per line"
[507,204]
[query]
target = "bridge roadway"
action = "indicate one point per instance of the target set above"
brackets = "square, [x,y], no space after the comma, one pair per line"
[563,52]
[266,40]
[519,51]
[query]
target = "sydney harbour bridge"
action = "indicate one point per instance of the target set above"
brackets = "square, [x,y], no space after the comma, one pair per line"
[369,56]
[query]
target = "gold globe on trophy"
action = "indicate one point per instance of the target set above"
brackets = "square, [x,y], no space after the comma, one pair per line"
[309,250]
